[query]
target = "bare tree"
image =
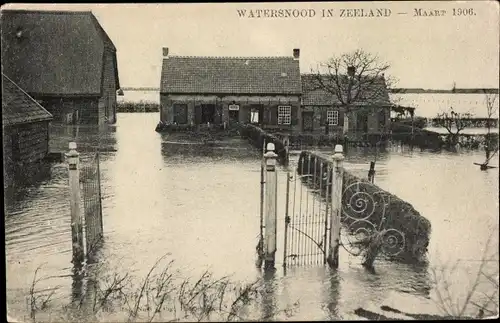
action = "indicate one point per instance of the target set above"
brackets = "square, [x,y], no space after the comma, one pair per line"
[454,123]
[491,110]
[355,79]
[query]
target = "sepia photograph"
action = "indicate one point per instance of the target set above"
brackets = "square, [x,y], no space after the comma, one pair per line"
[261,161]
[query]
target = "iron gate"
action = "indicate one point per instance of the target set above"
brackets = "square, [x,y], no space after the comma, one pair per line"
[306,215]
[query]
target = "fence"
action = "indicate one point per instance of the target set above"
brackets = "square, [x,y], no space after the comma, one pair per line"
[90,180]
[85,189]
[258,137]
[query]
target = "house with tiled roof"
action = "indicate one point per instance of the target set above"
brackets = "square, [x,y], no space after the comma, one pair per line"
[25,128]
[64,60]
[223,91]
[323,111]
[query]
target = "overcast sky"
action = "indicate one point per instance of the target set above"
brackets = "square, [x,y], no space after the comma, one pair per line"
[428,52]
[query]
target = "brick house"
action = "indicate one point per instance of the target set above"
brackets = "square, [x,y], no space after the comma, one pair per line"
[25,129]
[223,91]
[65,61]
[370,115]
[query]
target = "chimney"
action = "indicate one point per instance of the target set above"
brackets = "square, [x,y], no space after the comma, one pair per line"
[296,53]
[165,51]
[350,71]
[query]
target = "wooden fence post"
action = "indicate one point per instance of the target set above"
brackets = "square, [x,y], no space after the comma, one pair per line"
[336,207]
[76,219]
[271,203]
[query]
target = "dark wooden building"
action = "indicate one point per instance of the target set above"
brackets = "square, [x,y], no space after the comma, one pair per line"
[25,129]
[223,91]
[65,61]
[369,115]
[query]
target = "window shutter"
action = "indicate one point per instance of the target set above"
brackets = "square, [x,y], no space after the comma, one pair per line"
[273,115]
[323,115]
[295,119]
[197,114]
[265,116]
[341,118]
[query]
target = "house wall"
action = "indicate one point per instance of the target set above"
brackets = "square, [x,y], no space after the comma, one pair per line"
[270,104]
[376,126]
[30,141]
[320,117]
[84,110]
[107,102]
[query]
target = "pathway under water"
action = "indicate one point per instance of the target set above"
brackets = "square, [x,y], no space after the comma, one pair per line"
[201,204]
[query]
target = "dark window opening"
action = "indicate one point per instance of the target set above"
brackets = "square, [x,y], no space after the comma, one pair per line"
[381,119]
[180,114]
[208,113]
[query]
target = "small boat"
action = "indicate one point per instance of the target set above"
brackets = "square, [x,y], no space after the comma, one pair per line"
[483,166]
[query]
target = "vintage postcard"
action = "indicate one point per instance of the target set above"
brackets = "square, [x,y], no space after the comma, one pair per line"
[251,161]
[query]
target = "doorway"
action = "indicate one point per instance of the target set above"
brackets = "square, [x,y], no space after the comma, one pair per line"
[234,116]
[208,113]
[362,121]
[308,121]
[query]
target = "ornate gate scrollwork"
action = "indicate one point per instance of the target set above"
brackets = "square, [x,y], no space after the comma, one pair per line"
[364,218]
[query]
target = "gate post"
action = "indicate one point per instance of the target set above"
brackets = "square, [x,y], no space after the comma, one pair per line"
[271,203]
[337,177]
[76,220]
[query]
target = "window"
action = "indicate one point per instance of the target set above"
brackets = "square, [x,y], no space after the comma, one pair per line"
[254,116]
[68,105]
[69,118]
[332,118]
[284,114]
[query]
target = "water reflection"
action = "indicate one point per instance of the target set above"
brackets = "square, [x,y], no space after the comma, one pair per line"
[87,137]
[268,300]
[26,180]
[191,152]
[332,291]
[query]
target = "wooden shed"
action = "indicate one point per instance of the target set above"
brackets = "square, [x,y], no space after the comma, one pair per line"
[25,128]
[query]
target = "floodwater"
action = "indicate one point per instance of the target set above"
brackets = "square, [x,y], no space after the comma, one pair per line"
[201,205]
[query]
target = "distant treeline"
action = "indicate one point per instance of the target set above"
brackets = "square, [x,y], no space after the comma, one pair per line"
[395,90]
[140,88]
[137,107]
[467,91]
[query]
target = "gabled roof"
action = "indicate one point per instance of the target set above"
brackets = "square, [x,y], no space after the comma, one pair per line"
[54,52]
[18,107]
[312,94]
[230,75]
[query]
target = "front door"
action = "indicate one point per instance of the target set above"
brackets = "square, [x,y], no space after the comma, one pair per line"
[208,113]
[234,117]
[307,120]
[362,121]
